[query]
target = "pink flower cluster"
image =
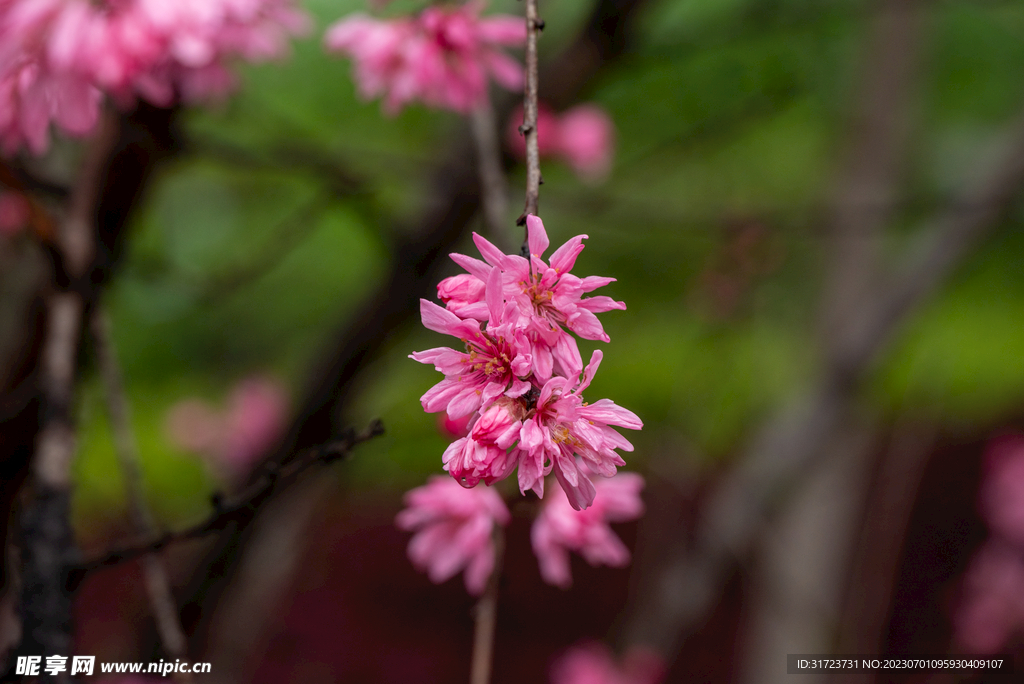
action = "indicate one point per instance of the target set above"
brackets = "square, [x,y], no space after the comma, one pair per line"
[58,57]
[991,610]
[560,529]
[583,137]
[235,438]
[520,374]
[442,57]
[594,664]
[454,530]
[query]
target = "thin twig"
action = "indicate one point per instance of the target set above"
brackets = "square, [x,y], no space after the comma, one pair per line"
[485,615]
[158,586]
[493,193]
[239,512]
[529,127]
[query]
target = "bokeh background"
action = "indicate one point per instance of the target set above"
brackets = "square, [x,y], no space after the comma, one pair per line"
[733,218]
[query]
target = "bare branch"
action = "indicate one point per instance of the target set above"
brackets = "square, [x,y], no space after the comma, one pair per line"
[493,193]
[239,512]
[529,127]
[158,586]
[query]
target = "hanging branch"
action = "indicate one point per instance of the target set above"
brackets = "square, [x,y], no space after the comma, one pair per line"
[485,615]
[158,586]
[493,193]
[534,25]
[239,512]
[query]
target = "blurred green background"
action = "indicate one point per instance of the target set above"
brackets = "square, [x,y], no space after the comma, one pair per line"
[728,115]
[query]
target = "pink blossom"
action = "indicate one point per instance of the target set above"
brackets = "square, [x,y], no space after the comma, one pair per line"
[992,607]
[1002,492]
[484,454]
[561,528]
[547,297]
[164,50]
[453,428]
[195,426]
[14,212]
[520,376]
[493,364]
[583,137]
[44,71]
[592,663]
[234,438]
[454,528]
[255,420]
[586,140]
[441,57]
[58,57]
[561,427]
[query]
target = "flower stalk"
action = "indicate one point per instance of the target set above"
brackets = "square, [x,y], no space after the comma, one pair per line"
[529,129]
[485,616]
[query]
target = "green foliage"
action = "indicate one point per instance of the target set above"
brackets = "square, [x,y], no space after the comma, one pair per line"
[728,114]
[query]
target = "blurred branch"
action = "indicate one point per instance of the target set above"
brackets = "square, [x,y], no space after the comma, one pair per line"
[287,236]
[47,540]
[493,191]
[104,199]
[485,616]
[158,586]
[339,179]
[792,442]
[237,514]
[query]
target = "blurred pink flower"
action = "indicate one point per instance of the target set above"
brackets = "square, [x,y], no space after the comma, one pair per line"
[237,437]
[57,57]
[44,71]
[560,528]
[196,426]
[583,137]
[254,421]
[586,140]
[442,57]
[992,606]
[14,212]
[1002,491]
[593,663]
[453,530]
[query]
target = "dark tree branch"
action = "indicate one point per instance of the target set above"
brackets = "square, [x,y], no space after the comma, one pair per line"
[84,254]
[47,540]
[240,511]
[158,585]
